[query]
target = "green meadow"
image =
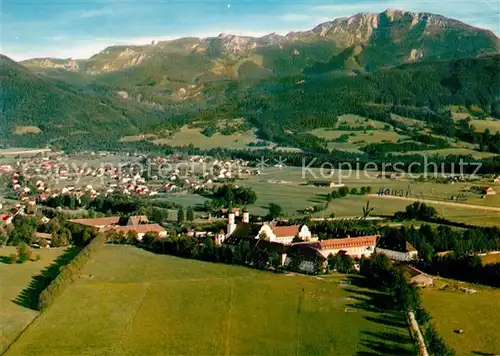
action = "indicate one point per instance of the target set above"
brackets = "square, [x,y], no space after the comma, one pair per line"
[15,278]
[129,302]
[476,314]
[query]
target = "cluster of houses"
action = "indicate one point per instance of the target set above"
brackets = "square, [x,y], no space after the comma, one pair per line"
[184,174]
[297,242]
[138,224]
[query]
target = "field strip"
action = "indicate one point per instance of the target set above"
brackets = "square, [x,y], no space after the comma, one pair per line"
[18,336]
[299,305]
[128,326]
[98,283]
[437,202]
[228,331]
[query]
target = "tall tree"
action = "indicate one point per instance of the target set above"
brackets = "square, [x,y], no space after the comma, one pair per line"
[275,211]
[180,216]
[189,214]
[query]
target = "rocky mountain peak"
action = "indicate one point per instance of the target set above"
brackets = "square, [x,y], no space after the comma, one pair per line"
[420,36]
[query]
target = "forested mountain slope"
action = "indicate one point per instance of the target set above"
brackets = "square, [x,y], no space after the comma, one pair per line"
[58,109]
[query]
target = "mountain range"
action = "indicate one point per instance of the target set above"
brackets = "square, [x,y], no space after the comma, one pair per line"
[140,86]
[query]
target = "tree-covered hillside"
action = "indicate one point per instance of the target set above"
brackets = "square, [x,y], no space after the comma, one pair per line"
[281,108]
[61,110]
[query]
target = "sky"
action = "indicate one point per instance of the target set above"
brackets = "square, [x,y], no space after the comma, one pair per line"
[82,28]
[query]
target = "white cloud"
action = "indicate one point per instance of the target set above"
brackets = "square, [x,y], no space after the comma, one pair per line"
[94,13]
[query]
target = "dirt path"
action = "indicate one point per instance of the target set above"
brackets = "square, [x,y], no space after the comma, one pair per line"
[437,202]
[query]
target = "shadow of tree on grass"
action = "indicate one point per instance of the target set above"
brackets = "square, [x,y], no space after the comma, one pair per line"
[29,296]
[394,339]
[5,260]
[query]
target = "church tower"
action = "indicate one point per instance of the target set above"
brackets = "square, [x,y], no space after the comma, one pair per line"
[231,225]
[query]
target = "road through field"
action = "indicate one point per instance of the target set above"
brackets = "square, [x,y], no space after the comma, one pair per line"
[438,202]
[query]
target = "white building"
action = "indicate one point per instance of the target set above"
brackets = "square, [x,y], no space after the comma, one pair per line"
[355,247]
[310,253]
[404,255]
[271,233]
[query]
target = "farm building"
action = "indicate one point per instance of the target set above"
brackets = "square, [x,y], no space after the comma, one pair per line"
[324,183]
[489,191]
[139,224]
[484,190]
[305,258]
[396,249]
[44,238]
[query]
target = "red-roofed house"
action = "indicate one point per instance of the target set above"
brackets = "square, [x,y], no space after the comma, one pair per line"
[139,224]
[308,254]
[6,219]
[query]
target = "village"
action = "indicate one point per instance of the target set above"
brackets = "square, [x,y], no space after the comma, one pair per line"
[53,178]
[205,208]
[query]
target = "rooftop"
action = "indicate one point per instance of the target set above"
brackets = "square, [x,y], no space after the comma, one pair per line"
[98,222]
[284,231]
[140,229]
[349,242]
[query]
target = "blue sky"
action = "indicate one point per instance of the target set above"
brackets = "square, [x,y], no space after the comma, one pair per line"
[81,28]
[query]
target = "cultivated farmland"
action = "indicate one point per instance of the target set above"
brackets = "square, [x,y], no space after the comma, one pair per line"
[130,302]
[287,187]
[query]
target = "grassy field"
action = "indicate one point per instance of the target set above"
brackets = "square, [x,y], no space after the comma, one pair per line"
[187,136]
[453,151]
[490,124]
[292,194]
[20,130]
[476,314]
[359,121]
[23,151]
[358,137]
[491,258]
[131,302]
[14,278]
[408,121]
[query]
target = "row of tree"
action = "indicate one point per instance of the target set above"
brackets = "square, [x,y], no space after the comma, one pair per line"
[343,192]
[69,272]
[63,233]
[229,195]
[459,248]
[382,274]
